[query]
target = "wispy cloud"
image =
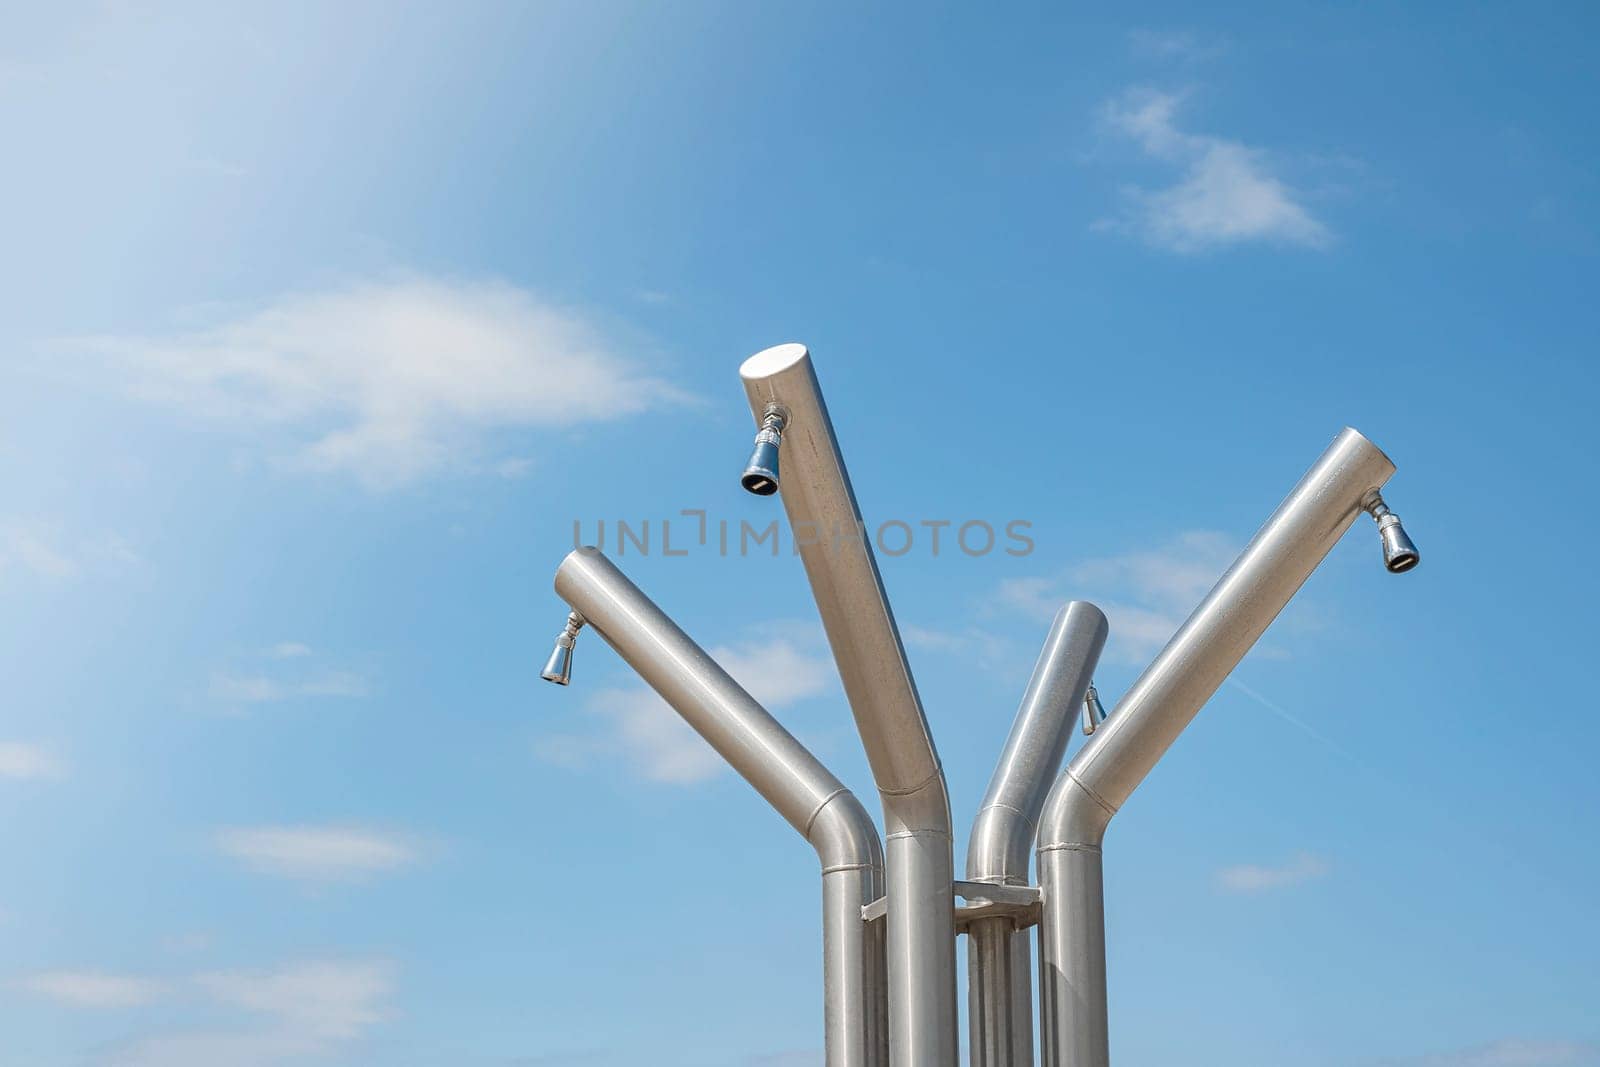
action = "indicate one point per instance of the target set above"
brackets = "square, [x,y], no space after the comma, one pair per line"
[44,549]
[1145,594]
[777,672]
[190,941]
[640,727]
[23,761]
[284,677]
[325,1001]
[94,989]
[260,689]
[1286,715]
[1510,1052]
[1226,194]
[974,643]
[1254,878]
[796,1058]
[304,1011]
[33,549]
[1173,46]
[390,381]
[319,854]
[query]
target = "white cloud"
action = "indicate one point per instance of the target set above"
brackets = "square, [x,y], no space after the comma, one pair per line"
[1172,46]
[43,549]
[652,736]
[303,1012]
[317,853]
[237,690]
[971,643]
[1253,878]
[514,467]
[795,1058]
[24,761]
[1146,595]
[333,684]
[641,727]
[776,672]
[1227,193]
[209,1048]
[260,689]
[324,1001]
[94,989]
[390,381]
[33,549]
[1512,1052]
[190,941]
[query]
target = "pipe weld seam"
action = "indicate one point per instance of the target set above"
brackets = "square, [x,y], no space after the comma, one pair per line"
[1069,846]
[937,775]
[811,820]
[842,867]
[1002,805]
[1110,809]
[919,833]
[999,879]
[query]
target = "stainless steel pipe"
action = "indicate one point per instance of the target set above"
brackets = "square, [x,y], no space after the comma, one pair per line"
[1151,715]
[791,779]
[999,956]
[848,589]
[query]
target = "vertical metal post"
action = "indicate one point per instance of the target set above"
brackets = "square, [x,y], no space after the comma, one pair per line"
[1151,715]
[848,589]
[1000,992]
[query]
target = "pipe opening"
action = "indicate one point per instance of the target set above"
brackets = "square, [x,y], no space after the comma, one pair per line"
[1403,562]
[759,483]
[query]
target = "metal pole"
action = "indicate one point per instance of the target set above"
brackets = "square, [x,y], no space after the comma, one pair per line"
[791,779]
[844,579]
[999,984]
[1151,715]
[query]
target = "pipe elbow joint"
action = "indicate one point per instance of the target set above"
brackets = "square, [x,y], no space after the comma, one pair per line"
[844,835]
[1074,817]
[922,811]
[999,849]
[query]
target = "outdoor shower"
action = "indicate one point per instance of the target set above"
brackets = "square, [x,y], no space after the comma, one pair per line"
[892,909]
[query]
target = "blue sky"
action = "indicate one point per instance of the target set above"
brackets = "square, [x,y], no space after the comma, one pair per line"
[322,324]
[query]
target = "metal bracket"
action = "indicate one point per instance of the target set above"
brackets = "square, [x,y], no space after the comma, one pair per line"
[979,900]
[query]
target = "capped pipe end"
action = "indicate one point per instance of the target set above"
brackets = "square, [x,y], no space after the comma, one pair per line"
[558,668]
[761,472]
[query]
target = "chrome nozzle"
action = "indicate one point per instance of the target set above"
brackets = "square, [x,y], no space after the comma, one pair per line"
[761,472]
[1399,553]
[558,668]
[1094,712]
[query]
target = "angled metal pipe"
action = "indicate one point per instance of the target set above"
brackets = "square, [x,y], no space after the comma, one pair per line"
[1151,715]
[844,578]
[999,956]
[791,779]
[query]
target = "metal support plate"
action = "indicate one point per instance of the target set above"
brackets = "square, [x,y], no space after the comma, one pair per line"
[980,900]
